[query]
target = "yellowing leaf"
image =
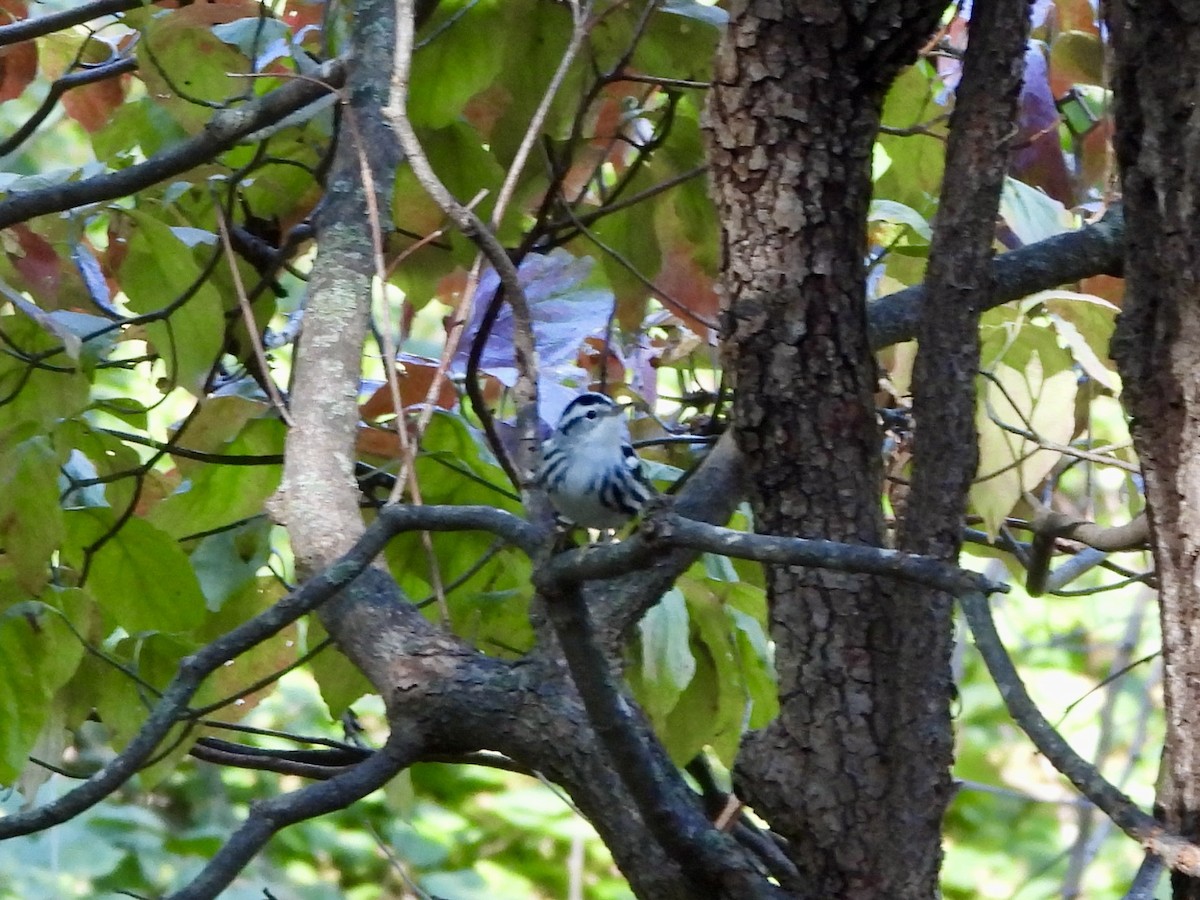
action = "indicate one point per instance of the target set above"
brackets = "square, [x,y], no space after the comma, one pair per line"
[1009,463]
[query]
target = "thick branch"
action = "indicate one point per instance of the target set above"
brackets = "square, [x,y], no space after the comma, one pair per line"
[1096,249]
[666,529]
[957,286]
[710,857]
[1133,535]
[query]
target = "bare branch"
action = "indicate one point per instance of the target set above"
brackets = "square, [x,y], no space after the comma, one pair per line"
[663,528]
[1133,535]
[59,87]
[224,130]
[269,816]
[474,228]
[28,29]
[1177,852]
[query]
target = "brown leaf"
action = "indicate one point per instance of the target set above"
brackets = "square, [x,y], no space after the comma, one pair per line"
[38,264]
[91,104]
[18,63]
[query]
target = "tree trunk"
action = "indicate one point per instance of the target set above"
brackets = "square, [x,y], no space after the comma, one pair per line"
[1157,347]
[795,107]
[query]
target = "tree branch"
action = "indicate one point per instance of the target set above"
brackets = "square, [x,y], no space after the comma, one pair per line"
[226,128]
[59,87]
[709,857]
[27,29]
[1096,249]
[269,816]
[193,669]
[1133,535]
[1178,853]
[475,229]
[663,528]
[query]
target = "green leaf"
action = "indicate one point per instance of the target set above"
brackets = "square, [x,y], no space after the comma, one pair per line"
[917,159]
[259,662]
[139,575]
[459,60]
[1078,57]
[159,270]
[704,671]
[533,38]
[899,214]
[186,67]
[1009,464]
[228,561]
[136,125]
[253,35]
[218,495]
[40,654]
[1031,215]
[490,607]
[667,661]
[1084,324]
[339,680]
[106,456]
[631,233]
[101,690]
[31,395]
[456,467]
[31,521]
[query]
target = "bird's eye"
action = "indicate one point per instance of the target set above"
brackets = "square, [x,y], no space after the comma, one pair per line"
[591,414]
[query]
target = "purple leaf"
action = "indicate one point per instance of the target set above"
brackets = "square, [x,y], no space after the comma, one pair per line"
[565,312]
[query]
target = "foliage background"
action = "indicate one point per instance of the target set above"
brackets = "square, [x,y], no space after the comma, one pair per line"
[124,551]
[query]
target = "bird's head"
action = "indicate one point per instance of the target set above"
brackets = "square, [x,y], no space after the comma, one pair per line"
[588,417]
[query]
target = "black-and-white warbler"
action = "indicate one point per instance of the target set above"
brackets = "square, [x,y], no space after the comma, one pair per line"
[589,468]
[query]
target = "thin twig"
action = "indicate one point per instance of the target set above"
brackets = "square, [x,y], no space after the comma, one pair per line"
[1176,851]
[260,354]
[470,224]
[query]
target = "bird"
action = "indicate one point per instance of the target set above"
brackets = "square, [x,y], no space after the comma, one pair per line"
[589,469]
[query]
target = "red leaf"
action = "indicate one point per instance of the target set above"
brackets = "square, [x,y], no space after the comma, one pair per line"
[18,63]
[304,13]
[691,289]
[38,264]
[92,104]
[414,388]
[1077,15]
[1106,286]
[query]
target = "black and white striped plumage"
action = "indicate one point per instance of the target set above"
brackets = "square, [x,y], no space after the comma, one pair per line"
[589,469]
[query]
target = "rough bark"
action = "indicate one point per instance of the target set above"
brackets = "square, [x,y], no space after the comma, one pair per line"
[946,453]
[319,500]
[1157,347]
[434,685]
[793,113]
